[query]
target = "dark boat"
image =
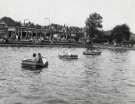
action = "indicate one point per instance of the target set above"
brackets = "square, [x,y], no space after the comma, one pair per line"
[68,56]
[34,64]
[92,52]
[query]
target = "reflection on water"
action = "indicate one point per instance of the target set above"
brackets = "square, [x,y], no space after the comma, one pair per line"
[105,79]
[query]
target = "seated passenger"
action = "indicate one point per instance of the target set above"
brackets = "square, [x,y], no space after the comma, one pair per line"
[34,57]
[39,58]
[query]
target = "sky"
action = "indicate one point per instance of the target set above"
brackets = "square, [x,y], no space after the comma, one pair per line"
[70,12]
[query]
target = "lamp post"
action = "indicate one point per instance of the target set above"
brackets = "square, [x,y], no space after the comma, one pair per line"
[48,18]
[24,29]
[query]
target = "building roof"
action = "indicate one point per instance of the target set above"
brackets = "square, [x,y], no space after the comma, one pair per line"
[2,22]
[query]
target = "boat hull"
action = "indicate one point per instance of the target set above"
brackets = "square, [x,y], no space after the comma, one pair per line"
[91,53]
[33,64]
[68,56]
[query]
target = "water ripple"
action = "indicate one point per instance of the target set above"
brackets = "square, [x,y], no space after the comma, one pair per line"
[105,79]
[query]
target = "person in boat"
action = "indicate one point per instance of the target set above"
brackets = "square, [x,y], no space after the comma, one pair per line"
[39,58]
[34,57]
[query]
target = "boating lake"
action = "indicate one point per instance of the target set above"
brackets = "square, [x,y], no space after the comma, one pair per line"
[108,78]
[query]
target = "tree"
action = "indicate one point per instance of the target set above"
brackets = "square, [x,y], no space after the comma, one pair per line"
[38,26]
[10,22]
[30,25]
[93,24]
[120,33]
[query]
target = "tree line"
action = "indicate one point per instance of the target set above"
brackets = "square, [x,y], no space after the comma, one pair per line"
[93,29]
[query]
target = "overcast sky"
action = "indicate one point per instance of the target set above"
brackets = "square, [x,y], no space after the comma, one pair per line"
[70,12]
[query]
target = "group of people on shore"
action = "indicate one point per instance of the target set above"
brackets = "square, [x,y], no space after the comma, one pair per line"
[37,57]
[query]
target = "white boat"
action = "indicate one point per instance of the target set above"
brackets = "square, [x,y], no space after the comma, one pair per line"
[92,52]
[68,55]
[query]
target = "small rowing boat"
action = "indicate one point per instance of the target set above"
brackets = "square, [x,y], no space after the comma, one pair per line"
[34,64]
[68,56]
[92,52]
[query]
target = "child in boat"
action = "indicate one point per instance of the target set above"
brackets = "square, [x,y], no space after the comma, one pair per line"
[39,58]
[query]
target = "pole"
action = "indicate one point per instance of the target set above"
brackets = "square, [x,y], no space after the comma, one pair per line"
[25,20]
[48,18]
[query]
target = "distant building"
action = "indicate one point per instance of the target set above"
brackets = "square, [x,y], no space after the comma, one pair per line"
[3,30]
[132,36]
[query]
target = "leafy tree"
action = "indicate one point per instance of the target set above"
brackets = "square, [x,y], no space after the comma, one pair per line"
[38,26]
[93,24]
[10,22]
[30,25]
[120,33]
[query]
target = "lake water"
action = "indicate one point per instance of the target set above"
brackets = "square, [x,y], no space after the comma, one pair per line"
[105,79]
